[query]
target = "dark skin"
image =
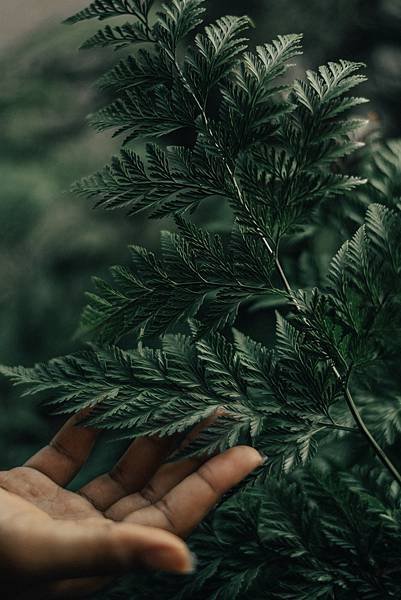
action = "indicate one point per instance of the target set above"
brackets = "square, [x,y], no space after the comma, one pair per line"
[58,544]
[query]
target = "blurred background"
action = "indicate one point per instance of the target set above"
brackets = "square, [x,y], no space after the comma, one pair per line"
[52,243]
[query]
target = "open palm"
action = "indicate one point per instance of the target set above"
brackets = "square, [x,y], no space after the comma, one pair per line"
[57,543]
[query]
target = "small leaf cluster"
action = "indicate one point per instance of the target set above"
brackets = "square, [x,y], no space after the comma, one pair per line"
[355,321]
[197,274]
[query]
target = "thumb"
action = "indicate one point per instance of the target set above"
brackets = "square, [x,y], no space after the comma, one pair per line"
[96,548]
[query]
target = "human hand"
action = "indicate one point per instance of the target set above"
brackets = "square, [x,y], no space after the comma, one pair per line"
[58,544]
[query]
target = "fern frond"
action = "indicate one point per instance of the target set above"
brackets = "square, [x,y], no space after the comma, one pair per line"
[105,9]
[177,19]
[383,169]
[384,228]
[139,116]
[169,182]
[157,293]
[119,36]
[160,392]
[146,70]
[215,53]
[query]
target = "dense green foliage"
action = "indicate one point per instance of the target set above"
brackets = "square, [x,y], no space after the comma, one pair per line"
[276,152]
[296,540]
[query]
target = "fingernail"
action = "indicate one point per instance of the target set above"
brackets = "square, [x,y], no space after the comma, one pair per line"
[263,457]
[194,561]
[190,565]
[165,559]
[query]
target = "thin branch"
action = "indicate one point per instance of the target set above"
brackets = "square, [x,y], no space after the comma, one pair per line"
[365,431]
[339,427]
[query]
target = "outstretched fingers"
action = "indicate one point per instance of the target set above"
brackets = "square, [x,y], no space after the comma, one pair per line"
[183,507]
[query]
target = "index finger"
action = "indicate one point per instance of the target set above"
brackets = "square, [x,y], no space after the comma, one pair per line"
[63,457]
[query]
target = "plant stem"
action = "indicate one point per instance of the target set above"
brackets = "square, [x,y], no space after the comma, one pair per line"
[339,427]
[273,252]
[365,431]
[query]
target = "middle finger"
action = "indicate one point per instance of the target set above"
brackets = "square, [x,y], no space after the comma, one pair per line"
[166,478]
[131,473]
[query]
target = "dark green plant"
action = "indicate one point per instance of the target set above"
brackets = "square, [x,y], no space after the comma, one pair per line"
[276,153]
